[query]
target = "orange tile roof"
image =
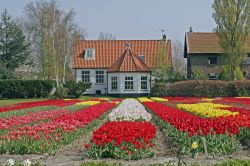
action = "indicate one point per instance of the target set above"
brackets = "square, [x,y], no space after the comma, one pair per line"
[205,42]
[128,62]
[108,51]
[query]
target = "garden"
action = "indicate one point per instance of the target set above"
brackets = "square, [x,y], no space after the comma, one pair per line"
[173,130]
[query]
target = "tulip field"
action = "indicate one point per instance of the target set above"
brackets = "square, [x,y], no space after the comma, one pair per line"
[218,126]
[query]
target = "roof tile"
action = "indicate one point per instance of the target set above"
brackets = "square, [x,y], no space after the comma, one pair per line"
[108,51]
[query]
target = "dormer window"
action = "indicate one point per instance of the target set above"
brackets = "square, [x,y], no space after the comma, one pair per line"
[89,53]
[142,58]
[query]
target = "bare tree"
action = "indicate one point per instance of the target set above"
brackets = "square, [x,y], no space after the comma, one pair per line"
[179,63]
[52,33]
[106,36]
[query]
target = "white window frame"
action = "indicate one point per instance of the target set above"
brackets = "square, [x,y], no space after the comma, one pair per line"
[114,83]
[86,76]
[129,83]
[99,76]
[144,83]
[87,51]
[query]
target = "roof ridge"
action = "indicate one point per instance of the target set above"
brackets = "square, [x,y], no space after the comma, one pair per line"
[126,54]
[133,57]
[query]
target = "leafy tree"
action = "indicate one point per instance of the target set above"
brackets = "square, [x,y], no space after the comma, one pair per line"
[13,47]
[233,25]
[163,68]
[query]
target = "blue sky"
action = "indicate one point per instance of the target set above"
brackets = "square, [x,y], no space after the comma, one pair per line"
[133,19]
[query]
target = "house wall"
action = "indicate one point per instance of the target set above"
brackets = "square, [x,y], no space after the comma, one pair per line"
[95,86]
[121,83]
[200,61]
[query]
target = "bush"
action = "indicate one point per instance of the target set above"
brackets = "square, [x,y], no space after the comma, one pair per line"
[205,88]
[198,74]
[75,89]
[25,88]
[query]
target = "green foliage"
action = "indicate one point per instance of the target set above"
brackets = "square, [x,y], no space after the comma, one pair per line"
[163,67]
[239,74]
[6,73]
[225,73]
[234,163]
[198,74]
[203,88]
[60,93]
[244,136]
[117,152]
[25,88]
[75,89]
[233,24]
[13,47]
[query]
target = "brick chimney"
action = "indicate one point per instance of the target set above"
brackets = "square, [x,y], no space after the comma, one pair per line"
[191,29]
[164,37]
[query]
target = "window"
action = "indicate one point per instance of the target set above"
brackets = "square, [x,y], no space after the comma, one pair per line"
[99,77]
[142,58]
[89,53]
[144,83]
[113,83]
[85,77]
[129,83]
[212,60]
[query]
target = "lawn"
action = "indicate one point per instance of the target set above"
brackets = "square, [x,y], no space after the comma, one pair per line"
[130,129]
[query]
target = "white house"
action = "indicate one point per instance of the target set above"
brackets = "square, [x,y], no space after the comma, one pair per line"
[117,67]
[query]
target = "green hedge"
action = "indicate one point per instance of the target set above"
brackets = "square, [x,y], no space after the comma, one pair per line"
[203,88]
[25,88]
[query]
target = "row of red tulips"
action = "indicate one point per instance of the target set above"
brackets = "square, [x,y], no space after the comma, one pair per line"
[25,105]
[139,134]
[59,127]
[128,139]
[243,100]
[31,117]
[66,122]
[192,124]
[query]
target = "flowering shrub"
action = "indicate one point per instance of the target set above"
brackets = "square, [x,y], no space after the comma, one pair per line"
[208,110]
[129,110]
[48,136]
[122,140]
[158,99]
